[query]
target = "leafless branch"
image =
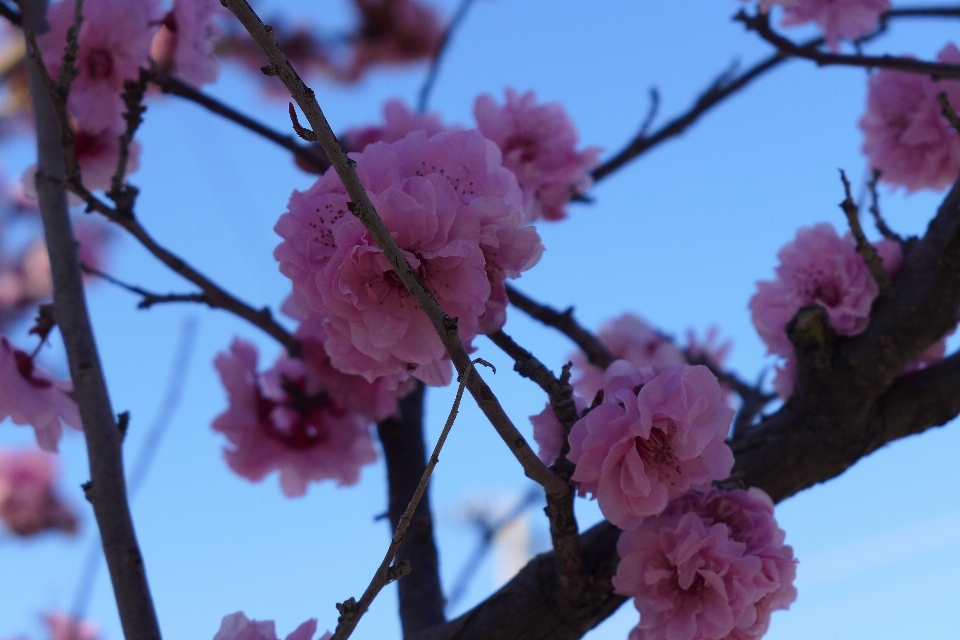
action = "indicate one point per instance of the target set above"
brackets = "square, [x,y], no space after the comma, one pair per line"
[107,489]
[864,248]
[363,209]
[148,297]
[351,611]
[760,24]
[878,220]
[430,80]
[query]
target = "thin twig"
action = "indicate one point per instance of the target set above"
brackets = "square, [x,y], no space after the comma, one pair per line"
[596,352]
[431,78]
[361,207]
[133,91]
[107,490]
[149,298]
[878,220]
[760,24]
[312,156]
[351,611]
[866,250]
[948,112]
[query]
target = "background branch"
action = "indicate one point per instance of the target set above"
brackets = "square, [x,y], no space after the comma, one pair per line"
[434,70]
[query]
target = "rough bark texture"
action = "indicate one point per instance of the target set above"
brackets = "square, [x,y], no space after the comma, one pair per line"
[848,403]
[107,490]
[421,597]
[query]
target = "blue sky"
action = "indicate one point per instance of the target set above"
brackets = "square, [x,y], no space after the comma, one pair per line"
[680,237]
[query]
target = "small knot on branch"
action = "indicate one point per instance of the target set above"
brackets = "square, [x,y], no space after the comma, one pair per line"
[268,70]
[123,421]
[348,610]
[810,330]
[87,487]
[359,212]
[302,131]
[398,570]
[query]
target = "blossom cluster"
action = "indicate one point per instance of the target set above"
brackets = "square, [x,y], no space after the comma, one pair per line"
[116,40]
[29,503]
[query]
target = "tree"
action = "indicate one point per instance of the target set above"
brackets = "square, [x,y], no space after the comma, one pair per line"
[849,400]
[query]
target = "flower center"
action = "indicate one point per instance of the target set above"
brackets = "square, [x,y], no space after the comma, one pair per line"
[297,421]
[99,64]
[25,367]
[656,450]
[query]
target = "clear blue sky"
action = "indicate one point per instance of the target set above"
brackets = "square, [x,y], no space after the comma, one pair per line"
[679,237]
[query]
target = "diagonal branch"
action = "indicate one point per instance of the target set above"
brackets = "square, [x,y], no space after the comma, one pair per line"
[421,595]
[363,209]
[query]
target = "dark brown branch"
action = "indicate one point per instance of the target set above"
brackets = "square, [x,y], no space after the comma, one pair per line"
[148,297]
[760,24]
[351,611]
[866,250]
[421,596]
[564,322]
[431,79]
[133,92]
[564,532]
[361,207]
[721,89]
[878,220]
[857,405]
[106,490]
[920,12]
[311,156]
[947,110]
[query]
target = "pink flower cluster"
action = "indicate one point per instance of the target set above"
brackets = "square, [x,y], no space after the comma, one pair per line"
[237,626]
[713,566]
[906,137]
[29,503]
[301,417]
[538,142]
[28,395]
[653,438]
[117,38]
[452,208]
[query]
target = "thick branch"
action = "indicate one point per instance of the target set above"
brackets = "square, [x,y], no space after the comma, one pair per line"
[363,209]
[107,490]
[855,405]
[421,596]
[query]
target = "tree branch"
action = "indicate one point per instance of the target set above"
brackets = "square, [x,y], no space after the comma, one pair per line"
[148,298]
[421,595]
[760,24]
[106,490]
[311,156]
[363,209]
[430,80]
[855,406]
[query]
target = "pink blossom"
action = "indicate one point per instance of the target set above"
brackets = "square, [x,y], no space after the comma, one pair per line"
[29,503]
[708,348]
[454,211]
[64,627]
[237,626]
[712,566]
[97,154]
[393,32]
[184,43]
[847,19]
[539,146]
[906,136]
[818,267]
[631,338]
[549,433]
[288,418]
[654,437]
[398,122]
[28,395]
[114,43]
